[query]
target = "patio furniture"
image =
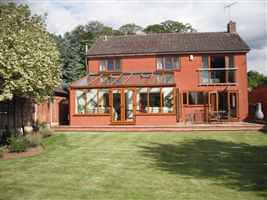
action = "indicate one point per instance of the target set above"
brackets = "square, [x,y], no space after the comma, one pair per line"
[218,116]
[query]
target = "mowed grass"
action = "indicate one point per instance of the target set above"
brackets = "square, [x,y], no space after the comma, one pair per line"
[186,166]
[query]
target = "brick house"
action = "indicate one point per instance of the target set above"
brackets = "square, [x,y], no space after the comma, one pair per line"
[258,95]
[162,79]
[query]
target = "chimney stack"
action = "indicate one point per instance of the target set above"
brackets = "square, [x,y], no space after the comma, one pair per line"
[231,27]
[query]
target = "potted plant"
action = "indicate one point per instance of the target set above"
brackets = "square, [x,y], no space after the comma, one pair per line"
[28,128]
[259,114]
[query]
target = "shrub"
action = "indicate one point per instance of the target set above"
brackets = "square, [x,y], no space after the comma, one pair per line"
[4,136]
[33,140]
[46,132]
[17,143]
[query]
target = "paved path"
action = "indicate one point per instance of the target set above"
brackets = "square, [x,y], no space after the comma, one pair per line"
[229,126]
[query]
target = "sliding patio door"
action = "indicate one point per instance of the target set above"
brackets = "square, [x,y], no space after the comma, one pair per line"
[233,105]
[123,106]
[223,105]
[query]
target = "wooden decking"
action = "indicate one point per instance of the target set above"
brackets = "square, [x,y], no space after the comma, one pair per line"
[231,126]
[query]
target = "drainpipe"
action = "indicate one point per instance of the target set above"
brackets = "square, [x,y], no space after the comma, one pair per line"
[51,108]
[86,64]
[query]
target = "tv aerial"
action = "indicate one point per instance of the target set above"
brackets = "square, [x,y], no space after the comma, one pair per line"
[228,6]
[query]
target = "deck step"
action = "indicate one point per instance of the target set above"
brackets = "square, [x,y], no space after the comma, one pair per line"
[174,128]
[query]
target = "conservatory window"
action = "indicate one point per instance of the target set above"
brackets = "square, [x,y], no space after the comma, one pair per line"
[155,100]
[92,101]
[167,100]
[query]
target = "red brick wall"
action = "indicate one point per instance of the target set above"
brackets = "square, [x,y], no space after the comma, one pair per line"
[88,120]
[156,120]
[187,79]
[93,65]
[129,64]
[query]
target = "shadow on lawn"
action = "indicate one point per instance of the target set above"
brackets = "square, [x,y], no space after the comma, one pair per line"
[239,166]
[264,129]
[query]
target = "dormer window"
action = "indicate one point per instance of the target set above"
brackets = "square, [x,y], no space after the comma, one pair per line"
[168,63]
[110,65]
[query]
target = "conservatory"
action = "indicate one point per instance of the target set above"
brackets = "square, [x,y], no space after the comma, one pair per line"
[124,98]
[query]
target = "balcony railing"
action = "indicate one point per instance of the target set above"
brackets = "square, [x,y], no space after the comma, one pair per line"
[217,76]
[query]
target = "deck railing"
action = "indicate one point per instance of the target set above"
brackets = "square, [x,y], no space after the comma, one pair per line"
[213,76]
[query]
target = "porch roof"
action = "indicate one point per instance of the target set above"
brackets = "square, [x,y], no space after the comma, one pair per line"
[125,79]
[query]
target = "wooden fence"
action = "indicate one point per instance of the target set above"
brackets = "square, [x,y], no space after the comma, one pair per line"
[16,113]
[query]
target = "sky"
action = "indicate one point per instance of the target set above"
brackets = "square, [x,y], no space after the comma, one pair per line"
[204,15]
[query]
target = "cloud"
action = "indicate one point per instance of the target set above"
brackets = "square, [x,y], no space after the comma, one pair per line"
[257,60]
[204,15]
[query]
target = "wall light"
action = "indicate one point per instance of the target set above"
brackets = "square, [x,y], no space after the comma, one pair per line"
[191,57]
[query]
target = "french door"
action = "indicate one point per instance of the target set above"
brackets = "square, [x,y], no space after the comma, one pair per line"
[123,109]
[223,105]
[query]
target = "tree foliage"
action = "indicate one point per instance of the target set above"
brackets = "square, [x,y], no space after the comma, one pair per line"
[130,29]
[155,28]
[169,26]
[255,79]
[72,47]
[72,55]
[29,59]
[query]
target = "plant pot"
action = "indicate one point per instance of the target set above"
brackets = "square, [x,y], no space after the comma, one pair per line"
[259,114]
[28,129]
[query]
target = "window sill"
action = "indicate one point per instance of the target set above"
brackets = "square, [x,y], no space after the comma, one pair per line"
[168,70]
[122,123]
[217,84]
[93,114]
[198,105]
[110,72]
[155,114]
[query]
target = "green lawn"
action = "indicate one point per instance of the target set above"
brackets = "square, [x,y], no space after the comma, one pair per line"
[120,166]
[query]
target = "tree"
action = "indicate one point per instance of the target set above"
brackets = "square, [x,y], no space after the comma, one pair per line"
[155,28]
[72,52]
[255,79]
[29,59]
[169,26]
[72,48]
[130,29]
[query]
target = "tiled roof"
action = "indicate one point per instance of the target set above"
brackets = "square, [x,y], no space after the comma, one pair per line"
[168,43]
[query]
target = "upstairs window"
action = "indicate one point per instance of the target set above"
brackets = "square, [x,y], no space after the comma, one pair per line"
[168,63]
[218,69]
[110,65]
[218,61]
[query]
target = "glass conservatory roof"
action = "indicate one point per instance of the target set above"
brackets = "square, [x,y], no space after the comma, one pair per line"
[125,79]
